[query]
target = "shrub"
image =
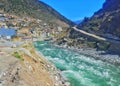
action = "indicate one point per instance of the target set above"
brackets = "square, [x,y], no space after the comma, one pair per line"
[91,44]
[103,45]
[17,55]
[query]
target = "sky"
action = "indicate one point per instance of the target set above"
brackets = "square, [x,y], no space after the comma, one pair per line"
[75,9]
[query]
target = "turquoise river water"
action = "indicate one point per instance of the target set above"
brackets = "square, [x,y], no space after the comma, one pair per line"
[80,70]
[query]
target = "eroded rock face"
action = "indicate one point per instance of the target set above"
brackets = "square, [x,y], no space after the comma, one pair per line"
[109,16]
[111,5]
[104,21]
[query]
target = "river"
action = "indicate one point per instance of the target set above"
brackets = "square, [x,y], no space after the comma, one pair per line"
[80,70]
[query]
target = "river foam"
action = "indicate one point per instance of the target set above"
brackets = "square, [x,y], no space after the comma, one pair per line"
[79,69]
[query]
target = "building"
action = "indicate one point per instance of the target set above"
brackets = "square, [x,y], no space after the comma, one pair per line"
[7,33]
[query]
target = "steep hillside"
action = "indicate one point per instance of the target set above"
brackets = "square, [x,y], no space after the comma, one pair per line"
[106,21]
[26,67]
[35,9]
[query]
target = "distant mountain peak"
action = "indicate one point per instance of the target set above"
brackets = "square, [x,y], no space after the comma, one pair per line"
[77,21]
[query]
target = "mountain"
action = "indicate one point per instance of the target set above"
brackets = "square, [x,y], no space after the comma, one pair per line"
[24,21]
[78,21]
[105,21]
[101,31]
[35,9]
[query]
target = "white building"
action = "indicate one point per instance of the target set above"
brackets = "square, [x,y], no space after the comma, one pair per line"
[8,37]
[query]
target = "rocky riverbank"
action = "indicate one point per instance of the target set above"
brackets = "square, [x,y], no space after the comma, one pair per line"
[23,66]
[91,52]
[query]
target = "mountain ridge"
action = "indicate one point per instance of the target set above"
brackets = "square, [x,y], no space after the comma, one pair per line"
[105,20]
[104,23]
[35,9]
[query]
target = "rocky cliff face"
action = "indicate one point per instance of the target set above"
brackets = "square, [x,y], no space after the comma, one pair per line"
[35,9]
[105,21]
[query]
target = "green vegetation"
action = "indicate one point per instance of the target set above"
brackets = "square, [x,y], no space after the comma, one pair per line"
[103,45]
[91,44]
[17,55]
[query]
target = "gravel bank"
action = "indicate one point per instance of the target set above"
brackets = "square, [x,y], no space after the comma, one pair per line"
[98,55]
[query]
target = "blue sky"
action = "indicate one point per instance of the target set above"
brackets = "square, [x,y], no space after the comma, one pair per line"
[75,9]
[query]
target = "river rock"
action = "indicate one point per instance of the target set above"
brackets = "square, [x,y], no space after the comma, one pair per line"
[67,84]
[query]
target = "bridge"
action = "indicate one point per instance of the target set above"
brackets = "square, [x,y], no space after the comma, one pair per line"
[89,34]
[96,36]
[115,43]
